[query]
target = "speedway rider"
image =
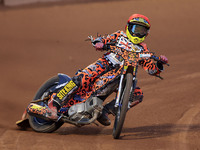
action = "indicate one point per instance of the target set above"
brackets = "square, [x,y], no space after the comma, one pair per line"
[137,29]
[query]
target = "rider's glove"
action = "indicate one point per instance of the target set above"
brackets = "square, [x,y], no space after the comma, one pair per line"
[99,46]
[163,59]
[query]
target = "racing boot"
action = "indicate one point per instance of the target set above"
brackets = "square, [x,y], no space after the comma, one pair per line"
[103,118]
[46,113]
[108,109]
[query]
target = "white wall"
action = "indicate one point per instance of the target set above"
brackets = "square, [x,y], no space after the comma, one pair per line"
[22,2]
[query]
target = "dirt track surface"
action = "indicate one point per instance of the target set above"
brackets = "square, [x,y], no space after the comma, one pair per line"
[38,42]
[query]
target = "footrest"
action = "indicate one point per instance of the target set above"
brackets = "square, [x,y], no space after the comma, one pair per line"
[23,124]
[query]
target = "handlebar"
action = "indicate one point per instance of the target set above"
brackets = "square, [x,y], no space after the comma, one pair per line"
[113,44]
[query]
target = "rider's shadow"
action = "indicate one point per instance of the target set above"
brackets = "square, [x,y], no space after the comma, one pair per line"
[159,130]
[142,132]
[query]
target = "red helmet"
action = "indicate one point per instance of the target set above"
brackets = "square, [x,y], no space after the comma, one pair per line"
[137,28]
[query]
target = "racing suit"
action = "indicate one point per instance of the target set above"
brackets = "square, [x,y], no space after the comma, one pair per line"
[85,78]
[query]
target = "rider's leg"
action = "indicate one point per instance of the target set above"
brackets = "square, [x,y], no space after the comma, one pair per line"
[136,98]
[82,80]
[54,103]
[109,107]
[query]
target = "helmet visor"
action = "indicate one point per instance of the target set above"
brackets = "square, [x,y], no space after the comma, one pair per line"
[138,30]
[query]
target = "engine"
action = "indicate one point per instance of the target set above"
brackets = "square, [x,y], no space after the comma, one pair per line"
[85,110]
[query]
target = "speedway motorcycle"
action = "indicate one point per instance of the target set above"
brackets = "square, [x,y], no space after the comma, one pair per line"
[85,110]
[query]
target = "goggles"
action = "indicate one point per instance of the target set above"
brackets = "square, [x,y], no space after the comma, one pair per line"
[138,30]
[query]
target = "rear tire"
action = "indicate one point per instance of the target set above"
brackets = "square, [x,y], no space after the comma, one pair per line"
[123,107]
[40,125]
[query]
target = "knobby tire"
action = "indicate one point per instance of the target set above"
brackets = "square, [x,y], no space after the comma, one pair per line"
[122,110]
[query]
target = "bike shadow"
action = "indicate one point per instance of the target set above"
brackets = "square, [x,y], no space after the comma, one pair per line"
[158,130]
[136,133]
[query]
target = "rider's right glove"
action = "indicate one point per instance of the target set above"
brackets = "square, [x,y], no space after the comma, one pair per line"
[99,46]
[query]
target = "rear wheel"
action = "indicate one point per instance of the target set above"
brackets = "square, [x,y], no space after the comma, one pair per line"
[123,106]
[38,124]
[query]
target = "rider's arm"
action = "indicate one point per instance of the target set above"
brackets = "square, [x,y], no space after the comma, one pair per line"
[112,39]
[151,67]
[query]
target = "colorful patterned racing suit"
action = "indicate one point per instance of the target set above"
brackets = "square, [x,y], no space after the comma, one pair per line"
[85,78]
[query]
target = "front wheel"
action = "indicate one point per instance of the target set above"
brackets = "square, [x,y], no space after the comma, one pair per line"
[40,125]
[123,106]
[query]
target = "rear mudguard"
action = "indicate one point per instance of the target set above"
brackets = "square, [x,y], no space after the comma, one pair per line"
[63,80]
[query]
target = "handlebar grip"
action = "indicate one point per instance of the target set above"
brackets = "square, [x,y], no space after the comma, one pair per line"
[158,59]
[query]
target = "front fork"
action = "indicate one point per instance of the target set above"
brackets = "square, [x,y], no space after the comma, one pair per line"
[119,91]
[119,94]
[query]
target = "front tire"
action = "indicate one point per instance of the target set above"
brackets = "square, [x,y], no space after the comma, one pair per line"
[40,125]
[123,107]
